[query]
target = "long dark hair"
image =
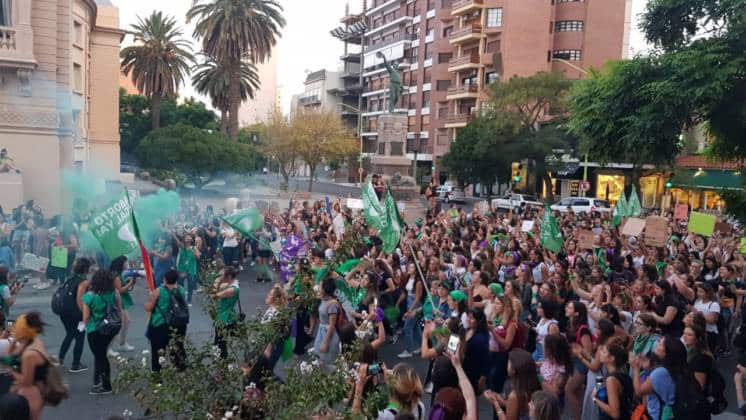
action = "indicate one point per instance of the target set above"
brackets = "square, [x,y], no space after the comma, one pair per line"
[102,282]
[481,319]
[675,360]
[524,379]
[117,266]
[557,348]
[580,318]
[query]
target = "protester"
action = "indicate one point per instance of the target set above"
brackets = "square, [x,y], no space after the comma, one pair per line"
[326,344]
[72,314]
[32,360]
[123,283]
[8,292]
[101,304]
[159,332]
[227,294]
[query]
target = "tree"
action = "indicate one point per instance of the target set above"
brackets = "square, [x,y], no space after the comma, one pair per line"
[197,154]
[212,78]
[277,145]
[530,111]
[159,61]
[233,31]
[319,137]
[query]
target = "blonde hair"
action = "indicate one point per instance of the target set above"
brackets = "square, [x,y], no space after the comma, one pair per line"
[406,387]
[279,297]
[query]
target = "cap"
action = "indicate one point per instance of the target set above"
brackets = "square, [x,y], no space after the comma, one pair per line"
[458,296]
[496,289]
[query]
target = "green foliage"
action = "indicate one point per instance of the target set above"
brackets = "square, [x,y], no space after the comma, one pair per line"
[735,202]
[191,112]
[530,98]
[196,153]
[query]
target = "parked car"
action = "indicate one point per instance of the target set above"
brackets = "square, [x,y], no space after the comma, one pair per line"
[449,192]
[581,205]
[513,201]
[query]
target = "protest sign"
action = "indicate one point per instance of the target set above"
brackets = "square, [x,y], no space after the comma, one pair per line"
[681,212]
[355,203]
[34,262]
[586,239]
[112,227]
[723,228]
[701,223]
[633,226]
[743,245]
[59,257]
[656,229]
[527,226]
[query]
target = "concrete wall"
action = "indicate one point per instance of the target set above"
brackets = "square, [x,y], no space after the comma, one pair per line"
[265,101]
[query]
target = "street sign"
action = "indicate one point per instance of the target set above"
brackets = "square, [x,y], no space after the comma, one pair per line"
[585,186]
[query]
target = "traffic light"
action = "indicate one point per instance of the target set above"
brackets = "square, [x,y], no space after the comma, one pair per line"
[669,184]
[516,174]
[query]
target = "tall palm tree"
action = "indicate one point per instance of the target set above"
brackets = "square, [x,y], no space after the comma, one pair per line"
[159,60]
[212,78]
[232,30]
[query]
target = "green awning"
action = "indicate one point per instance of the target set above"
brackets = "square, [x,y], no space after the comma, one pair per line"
[708,179]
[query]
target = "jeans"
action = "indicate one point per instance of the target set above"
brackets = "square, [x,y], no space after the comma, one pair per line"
[191,284]
[221,334]
[72,333]
[230,255]
[160,337]
[499,371]
[412,331]
[99,345]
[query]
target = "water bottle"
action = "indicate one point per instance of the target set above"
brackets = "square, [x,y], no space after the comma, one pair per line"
[601,389]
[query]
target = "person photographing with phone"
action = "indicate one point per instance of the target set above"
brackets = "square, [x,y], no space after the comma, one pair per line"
[8,292]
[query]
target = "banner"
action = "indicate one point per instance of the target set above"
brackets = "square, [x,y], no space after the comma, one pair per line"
[374,213]
[551,236]
[245,221]
[112,227]
[620,210]
[633,205]
[390,231]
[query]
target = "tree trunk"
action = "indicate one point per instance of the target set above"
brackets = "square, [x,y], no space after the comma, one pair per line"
[312,171]
[548,184]
[224,122]
[155,108]
[234,94]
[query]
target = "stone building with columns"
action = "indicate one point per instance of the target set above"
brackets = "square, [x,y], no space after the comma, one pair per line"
[59,100]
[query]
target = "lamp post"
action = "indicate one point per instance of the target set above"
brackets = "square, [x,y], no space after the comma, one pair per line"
[360,136]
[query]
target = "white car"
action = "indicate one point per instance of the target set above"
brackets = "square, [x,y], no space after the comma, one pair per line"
[515,202]
[581,205]
[449,192]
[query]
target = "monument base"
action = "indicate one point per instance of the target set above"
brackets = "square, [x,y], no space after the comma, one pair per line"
[392,142]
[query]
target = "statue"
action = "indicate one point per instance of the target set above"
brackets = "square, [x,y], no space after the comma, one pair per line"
[395,86]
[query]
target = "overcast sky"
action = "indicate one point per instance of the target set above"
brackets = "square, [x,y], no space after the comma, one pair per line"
[306,43]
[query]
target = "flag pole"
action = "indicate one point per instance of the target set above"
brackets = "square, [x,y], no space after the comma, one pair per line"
[143,251]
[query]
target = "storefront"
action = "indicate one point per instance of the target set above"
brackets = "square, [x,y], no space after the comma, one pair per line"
[700,188]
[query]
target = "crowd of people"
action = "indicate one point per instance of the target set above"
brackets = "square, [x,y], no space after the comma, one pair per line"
[617,331]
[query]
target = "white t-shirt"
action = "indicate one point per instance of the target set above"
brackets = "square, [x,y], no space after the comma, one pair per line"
[706,309]
[229,236]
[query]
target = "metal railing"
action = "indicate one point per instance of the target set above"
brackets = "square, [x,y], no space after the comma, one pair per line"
[458,4]
[467,59]
[462,89]
[400,37]
[473,28]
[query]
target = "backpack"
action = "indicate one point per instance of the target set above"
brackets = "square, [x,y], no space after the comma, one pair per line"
[65,298]
[52,389]
[626,401]
[531,336]
[342,319]
[111,323]
[177,314]
[690,402]
[715,391]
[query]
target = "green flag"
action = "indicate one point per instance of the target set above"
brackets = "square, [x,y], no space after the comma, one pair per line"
[113,229]
[390,231]
[245,221]
[620,210]
[633,205]
[551,236]
[372,210]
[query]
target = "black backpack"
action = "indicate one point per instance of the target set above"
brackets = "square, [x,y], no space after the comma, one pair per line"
[690,402]
[715,391]
[626,401]
[65,298]
[111,323]
[177,314]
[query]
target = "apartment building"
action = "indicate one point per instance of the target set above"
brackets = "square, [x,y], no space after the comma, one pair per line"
[449,51]
[59,101]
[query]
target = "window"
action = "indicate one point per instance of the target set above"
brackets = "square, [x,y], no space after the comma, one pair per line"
[495,17]
[77,78]
[426,99]
[78,33]
[5,13]
[412,123]
[566,1]
[428,75]
[444,58]
[442,85]
[493,46]
[381,148]
[430,25]
[428,51]
[397,148]
[491,77]
[568,26]
[572,55]
[447,31]
[425,123]
[414,54]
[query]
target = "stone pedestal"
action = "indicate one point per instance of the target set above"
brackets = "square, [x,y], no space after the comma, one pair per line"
[11,190]
[391,155]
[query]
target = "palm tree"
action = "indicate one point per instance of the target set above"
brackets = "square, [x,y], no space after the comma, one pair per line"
[212,78]
[232,30]
[159,61]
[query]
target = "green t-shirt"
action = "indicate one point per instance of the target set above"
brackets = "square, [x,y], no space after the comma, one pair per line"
[5,294]
[227,308]
[127,301]
[187,262]
[97,306]
[161,305]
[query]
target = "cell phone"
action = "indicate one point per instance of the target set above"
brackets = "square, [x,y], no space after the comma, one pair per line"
[375,302]
[9,324]
[453,343]
[374,369]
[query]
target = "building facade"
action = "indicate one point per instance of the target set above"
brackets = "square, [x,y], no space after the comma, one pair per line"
[59,102]
[267,99]
[449,52]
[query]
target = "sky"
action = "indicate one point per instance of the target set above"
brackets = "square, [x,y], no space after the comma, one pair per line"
[306,44]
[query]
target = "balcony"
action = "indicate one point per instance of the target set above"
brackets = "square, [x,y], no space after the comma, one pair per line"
[401,37]
[460,7]
[469,33]
[462,92]
[309,100]
[466,62]
[370,146]
[458,120]
[17,42]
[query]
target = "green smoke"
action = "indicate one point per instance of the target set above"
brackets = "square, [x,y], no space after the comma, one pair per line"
[150,210]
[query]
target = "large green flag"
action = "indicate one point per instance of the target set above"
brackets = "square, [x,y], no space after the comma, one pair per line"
[634,209]
[113,228]
[551,236]
[374,213]
[245,221]
[390,231]
[620,210]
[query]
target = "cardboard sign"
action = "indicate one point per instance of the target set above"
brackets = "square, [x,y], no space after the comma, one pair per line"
[34,262]
[355,203]
[656,229]
[701,223]
[743,245]
[527,226]
[681,212]
[723,228]
[484,207]
[59,257]
[586,240]
[633,226]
